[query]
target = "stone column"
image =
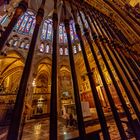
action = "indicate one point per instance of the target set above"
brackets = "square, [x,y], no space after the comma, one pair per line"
[133,64]
[123,82]
[108,93]
[128,67]
[111,38]
[80,119]
[14,128]
[93,86]
[124,40]
[22,7]
[121,97]
[54,91]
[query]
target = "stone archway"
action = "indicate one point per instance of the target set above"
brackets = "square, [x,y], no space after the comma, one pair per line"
[11,67]
[41,89]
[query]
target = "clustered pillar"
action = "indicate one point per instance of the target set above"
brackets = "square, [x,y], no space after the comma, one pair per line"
[53,103]
[22,7]
[112,44]
[13,133]
[92,83]
[106,35]
[80,119]
[121,79]
[104,39]
[108,93]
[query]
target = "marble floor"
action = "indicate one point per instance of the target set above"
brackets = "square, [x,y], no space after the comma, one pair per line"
[39,130]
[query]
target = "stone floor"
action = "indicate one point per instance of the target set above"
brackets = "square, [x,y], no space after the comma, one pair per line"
[39,130]
[114,132]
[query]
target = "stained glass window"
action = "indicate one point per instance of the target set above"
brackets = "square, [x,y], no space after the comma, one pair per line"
[80,23]
[60,34]
[79,47]
[73,31]
[27,46]
[84,19]
[47,48]
[26,23]
[66,51]
[11,41]
[41,47]
[65,36]
[74,49]
[22,45]
[47,32]
[3,19]
[44,31]
[15,43]
[18,23]
[61,51]
[23,24]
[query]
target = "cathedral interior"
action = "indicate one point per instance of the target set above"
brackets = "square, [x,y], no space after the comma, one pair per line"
[70,69]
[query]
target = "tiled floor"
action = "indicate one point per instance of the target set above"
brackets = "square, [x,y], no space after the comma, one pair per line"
[39,130]
[114,132]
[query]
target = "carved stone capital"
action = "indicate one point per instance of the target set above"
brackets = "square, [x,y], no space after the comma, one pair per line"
[22,7]
[55,20]
[39,16]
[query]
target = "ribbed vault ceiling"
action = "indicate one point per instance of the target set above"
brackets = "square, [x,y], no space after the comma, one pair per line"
[34,5]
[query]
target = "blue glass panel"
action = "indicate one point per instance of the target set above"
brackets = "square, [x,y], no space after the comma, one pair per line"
[22,45]
[64,34]
[79,47]
[30,13]
[74,49]
[32,27]
[27,46]
[41,47]
[60,34]
[49,32]
[61,51]
[66,51]
[22,26]
[74,31]
[28,25]
[85,21]
[3,19]
[71,32]
[19,22]
[44,31]
[47,48]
